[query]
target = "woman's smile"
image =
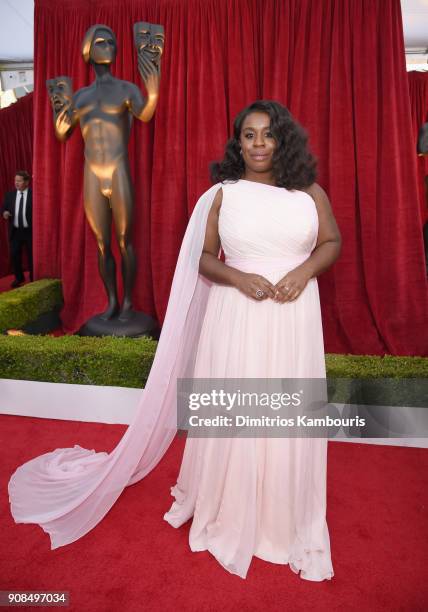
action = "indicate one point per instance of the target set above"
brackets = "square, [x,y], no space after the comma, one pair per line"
[259,156]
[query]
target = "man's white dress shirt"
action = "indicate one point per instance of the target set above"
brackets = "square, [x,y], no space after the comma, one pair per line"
[17,205]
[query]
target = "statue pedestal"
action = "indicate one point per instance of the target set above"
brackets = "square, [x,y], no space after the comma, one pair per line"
[138,324]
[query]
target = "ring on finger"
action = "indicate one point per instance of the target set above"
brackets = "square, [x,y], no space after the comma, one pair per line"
[260,293]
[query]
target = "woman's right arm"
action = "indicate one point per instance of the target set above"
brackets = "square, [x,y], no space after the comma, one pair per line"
[216,271]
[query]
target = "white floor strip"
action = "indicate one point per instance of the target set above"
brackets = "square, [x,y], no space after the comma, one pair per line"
[70,402]
[112,405]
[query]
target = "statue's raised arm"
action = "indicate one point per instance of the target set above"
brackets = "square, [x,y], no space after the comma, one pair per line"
[149,41]
[60,91]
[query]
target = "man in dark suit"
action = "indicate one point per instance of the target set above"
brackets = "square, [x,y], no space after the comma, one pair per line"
[18,210]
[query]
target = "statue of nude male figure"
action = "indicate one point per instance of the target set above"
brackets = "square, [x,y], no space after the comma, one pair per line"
[104,111]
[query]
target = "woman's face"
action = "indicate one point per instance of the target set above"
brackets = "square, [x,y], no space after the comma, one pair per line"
[257,142]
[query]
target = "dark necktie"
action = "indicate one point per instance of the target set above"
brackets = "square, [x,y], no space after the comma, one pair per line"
[21,211]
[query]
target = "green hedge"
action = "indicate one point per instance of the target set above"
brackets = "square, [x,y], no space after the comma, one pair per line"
[372,366]
[126,362]
[25,304]
[121,362]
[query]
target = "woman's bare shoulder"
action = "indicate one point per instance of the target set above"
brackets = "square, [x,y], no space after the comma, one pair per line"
[318,195]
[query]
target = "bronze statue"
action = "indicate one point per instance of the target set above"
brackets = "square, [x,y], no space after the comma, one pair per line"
[105,110]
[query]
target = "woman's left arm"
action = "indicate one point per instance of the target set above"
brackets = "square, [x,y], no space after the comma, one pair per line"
[325,253]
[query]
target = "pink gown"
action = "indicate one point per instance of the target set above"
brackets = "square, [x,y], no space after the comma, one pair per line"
[259,496]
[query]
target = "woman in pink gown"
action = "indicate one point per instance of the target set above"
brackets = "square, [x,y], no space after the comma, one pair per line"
[256,315]
[262,496]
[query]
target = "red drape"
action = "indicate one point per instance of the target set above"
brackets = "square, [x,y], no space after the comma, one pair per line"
[418,89]
[16,153]
[338,65]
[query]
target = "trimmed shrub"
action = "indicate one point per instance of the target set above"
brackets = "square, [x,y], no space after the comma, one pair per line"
[373,366]
[25,304]
[126,362]
[122,362]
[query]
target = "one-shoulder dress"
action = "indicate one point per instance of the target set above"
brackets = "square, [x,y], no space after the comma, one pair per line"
[259,496]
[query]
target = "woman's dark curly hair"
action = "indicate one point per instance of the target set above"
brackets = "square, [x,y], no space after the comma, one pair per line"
[294,166]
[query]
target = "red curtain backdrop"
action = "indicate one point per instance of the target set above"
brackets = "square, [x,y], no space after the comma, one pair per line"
[16,153]
[340,68]
[418,89]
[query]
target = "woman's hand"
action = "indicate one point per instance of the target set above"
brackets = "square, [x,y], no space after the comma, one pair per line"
[291,286]
[254,286]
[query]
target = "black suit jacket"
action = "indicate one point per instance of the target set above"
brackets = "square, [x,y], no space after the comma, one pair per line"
[9,205]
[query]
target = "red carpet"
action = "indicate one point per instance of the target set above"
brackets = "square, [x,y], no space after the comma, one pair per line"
[134,560]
